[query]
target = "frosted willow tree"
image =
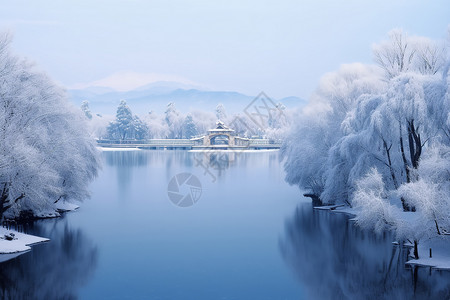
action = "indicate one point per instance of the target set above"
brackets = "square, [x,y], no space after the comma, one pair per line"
[375,144]
[402,53]
[45,156]
[409,125]
[308,147]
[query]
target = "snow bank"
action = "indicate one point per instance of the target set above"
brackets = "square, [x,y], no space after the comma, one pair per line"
[20,243]
[6,257]
[440,249]
[66,206]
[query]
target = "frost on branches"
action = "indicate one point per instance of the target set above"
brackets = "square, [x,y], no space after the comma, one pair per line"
[46,156]
[378,138]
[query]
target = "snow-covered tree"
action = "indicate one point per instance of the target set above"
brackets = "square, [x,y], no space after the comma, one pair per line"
[395,55]
[157,126]
[375,141]
[140,129]
[46,155]
[221,112]
[403,53]
[86,110]
[313,145]
[189,127]
[204,120]
[174,121]
[126,126]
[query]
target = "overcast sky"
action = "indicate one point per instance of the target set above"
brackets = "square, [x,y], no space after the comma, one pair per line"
[281,47]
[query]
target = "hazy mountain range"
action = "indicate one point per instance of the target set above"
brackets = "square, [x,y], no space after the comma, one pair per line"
[156,96]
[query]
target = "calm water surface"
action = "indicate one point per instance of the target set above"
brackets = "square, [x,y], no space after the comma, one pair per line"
[250,236]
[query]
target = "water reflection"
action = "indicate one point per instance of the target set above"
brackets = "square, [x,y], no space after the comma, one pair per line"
[335,260]
[125,158]
[124,162]
[214,163]
[54,270]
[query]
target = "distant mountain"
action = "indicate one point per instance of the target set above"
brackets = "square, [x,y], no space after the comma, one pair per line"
[156,96]
[292,102]
[167,86]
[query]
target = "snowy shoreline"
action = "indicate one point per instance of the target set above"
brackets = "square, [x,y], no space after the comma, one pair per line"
[19,245]
[440,259]
[21,242]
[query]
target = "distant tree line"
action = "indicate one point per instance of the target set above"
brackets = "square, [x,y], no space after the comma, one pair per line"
[175,125]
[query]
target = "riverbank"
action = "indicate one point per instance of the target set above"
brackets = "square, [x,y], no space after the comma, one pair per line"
[439,245]
[14,243]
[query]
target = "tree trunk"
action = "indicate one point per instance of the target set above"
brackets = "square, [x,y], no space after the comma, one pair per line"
[405,165]
[3,200]
[416,251]
[388,154]
[315,199]
[437,227]
[415,144]
[405,162]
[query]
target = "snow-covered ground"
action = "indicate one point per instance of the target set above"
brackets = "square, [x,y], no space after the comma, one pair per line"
[19,245]
[440,246]
[64,206]
[440,254]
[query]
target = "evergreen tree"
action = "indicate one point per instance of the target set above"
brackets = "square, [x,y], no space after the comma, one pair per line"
[126,126]
[189,127]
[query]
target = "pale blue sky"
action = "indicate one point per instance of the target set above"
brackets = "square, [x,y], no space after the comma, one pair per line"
[281,47]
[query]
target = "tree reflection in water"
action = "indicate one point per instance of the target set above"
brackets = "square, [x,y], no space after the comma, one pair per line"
[333,259]
[54,270]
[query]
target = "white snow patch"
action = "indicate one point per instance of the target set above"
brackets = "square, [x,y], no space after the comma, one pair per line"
[440,254]
[20,243]
[6,257]
[66,206]
[338,208]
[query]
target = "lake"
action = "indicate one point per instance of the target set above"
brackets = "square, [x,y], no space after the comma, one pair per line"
[242,234]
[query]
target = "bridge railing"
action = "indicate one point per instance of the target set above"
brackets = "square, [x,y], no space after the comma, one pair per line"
[264,142]
[164,142]
[179,142]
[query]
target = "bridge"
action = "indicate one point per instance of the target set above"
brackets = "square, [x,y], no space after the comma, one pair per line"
[219,138]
